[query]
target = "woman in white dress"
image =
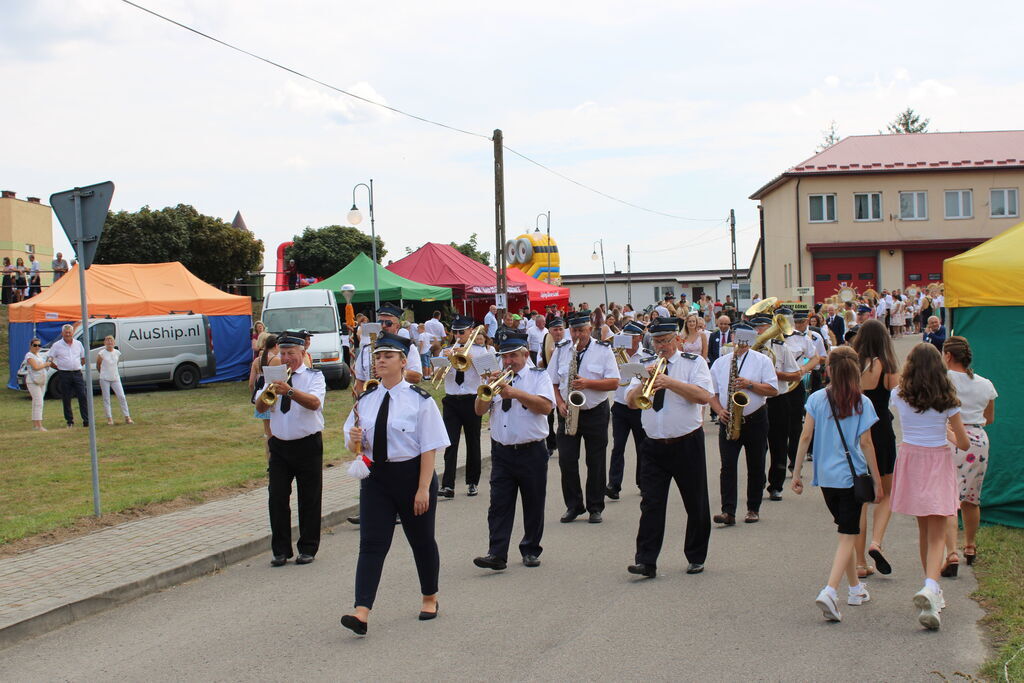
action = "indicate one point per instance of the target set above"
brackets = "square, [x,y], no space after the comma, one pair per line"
[35,380]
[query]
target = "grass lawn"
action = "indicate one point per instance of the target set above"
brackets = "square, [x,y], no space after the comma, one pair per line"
[1000,572]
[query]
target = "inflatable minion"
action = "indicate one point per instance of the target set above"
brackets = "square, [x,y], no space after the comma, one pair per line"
[534,254]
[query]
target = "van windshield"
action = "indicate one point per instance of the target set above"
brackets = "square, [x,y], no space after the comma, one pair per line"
[317,320]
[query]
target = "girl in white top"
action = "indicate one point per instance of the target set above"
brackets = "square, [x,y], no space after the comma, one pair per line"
[924,481]
[106,364]
[35,380]
[978,409]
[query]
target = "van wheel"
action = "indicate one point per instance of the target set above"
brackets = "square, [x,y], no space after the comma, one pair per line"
[186,376]
[53,387]
[344,381]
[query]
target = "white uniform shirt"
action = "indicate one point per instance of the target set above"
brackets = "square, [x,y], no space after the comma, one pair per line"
[784,362]
[678,416]
[802,347]
[67,356]
[535,337]
[519,424]
[108,368]
[435,327]
[598,362]
[471,382]
[662,311]
[491,323]
[819,343]
[414,422]
[300,422]
[754,366]
[880,310]
[363,362]
[623,390]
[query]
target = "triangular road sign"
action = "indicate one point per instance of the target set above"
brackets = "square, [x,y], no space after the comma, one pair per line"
[95,201]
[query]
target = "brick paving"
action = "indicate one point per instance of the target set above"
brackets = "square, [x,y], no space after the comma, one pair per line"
[48,587]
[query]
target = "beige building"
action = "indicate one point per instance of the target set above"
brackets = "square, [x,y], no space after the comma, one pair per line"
[26,227]
[647,288]
[884,211]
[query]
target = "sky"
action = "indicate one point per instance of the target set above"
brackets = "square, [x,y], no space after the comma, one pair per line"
[683,108]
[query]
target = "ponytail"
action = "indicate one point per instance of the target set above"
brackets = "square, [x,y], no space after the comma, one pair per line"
[960,350]
[844,372]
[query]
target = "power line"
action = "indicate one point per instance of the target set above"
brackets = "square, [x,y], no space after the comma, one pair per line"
[395,110]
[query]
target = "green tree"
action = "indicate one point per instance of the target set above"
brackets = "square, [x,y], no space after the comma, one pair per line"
[209,247]
[469,248]
[322,252]
[907,121]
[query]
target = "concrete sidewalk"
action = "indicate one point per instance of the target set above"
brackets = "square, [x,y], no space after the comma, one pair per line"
[55,585]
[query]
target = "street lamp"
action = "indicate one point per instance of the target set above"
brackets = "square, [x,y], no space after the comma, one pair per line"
[604,275]
[546,216]
[355,218]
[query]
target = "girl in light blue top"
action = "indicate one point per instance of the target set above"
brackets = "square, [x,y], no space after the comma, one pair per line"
[832,473]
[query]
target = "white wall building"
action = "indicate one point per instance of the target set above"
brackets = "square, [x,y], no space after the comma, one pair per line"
[644,289]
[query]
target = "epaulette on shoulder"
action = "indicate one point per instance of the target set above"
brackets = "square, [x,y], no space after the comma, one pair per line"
[367,391]
[690,356]
[605,343]
[561,343]
[420,390]
[536,369]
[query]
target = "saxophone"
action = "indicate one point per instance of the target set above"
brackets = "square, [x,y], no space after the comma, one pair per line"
[575,399]
[738,400]
[373,381]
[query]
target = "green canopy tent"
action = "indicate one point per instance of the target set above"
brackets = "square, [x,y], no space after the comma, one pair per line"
[359,272]
[984,288]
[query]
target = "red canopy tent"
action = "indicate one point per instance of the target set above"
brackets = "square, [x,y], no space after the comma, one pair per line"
[540,293]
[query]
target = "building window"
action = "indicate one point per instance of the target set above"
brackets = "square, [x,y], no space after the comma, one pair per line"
[823,277]
[822,208]
[30,248]
[1003,203]
[867,206]
[661,292]
[866,276]
[959,204]
[935,277]
[914,277]
[844,277]
[913,206]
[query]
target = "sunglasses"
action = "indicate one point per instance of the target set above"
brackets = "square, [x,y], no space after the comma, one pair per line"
[36,345]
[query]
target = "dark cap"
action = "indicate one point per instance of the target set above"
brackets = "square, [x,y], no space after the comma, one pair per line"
[580,320]
[633,327]
[390,309]
[665,326]
[760,319]
[556,322]
[863,308]
[784,310]
[461,322]
[288,340]
[799,315]
[513,341]
[392,342]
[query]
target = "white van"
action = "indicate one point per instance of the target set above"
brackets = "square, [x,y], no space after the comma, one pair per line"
[316,311]
[155,349]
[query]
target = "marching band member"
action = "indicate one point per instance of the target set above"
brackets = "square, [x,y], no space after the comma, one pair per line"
[519,459]
[597,374]
[786,371]
[673,450]
[805,352]
[401,428]
[556,328]
[755,376]
[460,388]
[296,452]
[625,420]
[388,317]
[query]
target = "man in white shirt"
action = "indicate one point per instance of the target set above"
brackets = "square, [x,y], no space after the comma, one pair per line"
[756,378]
[519,459]
[67,356]
[457,411]
[435,327]
[806,354]
[535,334]
[491,322]
[626,419]
[673,451]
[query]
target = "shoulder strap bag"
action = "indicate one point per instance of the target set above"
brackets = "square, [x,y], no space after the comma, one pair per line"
[863,484]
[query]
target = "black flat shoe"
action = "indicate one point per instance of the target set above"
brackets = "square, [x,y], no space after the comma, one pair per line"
[279,561]
[303,558]
[353,520]
[473,490]
[774,495]
[695,568]
[531,561]
[427,616]
[352,623]
[595,518]
[490,562]
[446,492]
[881,564]
[647,570]
[570,516]
[611,493]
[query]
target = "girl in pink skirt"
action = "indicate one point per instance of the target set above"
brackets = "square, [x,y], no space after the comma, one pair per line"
[924,482]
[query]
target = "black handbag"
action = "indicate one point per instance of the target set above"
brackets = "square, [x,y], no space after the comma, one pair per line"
[863,484]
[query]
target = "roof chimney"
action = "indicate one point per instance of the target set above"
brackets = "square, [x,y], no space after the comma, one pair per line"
[33,200]
[7,194]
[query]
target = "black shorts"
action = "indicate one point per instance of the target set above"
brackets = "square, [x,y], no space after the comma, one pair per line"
[844,508]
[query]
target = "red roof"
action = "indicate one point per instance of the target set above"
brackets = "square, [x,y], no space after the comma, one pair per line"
[540,293]
[911,152]
[443,265]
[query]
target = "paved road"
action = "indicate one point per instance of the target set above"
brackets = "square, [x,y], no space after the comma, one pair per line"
[750,616]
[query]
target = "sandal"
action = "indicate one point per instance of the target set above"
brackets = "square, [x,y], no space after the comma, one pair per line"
[970,556]
[951,566]
[864,571]
[883,565]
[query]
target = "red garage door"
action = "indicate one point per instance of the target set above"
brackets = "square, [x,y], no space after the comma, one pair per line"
[923,268]
[833,273]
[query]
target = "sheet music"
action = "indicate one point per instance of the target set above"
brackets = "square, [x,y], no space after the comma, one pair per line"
[439,362]
[366,329]
[275,373]
[622,341]
[486,362]
[631,370]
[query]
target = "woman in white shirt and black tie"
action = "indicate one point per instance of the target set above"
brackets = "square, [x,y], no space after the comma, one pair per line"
[399,428]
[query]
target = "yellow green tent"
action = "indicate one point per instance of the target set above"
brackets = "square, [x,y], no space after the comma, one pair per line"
[984,290]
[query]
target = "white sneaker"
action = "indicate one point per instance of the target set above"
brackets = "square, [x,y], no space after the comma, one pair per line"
[942,601]
[828,606]
[928,602]
[858,595]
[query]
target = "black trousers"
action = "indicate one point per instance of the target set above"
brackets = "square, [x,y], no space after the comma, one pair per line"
[592,431]
[754,441]
[684,463]
[301,460]
[459,415]
[552,441]
[389,490]
[777,408]
[523,470]
[795,417]
[625,421]
[71,385]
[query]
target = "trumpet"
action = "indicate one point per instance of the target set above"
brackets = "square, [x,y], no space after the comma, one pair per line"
[487,392]
[269,395]
[460,358]
[645,400]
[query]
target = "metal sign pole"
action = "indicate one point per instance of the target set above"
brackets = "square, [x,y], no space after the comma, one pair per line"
[80,250]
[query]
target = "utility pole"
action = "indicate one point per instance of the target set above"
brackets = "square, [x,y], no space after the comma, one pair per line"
[732,237]
[629,281]
[501,292]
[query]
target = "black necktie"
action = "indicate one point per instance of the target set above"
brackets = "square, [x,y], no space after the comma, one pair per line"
[286,402]
[380,431]
[460,377]
[659,395]
[506,403]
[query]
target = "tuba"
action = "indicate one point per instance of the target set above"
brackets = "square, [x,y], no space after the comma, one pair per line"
[487,392]
[575,399]
[780,328]
[269,395]
[738,400]
[645,400]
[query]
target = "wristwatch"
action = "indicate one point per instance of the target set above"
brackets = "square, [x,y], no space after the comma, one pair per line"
[291,392]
